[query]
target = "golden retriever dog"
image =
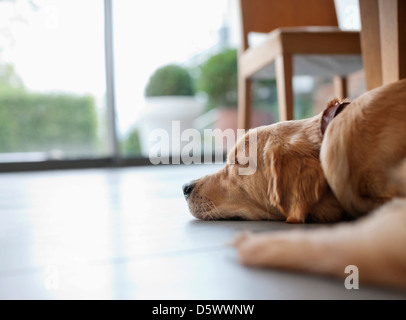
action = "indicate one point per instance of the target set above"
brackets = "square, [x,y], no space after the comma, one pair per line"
[288,183]
[348,161]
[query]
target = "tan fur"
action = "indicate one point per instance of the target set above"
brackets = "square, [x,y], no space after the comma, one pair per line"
[363,157]
[362,144]
[363,160]
[288,185]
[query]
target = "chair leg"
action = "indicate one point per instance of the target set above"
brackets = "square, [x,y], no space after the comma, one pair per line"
[244,103]
[371,43]
[284,76]
[393,42]
[340,87]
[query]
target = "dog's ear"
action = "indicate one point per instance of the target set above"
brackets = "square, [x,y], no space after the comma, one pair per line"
[334,107]
[296,183]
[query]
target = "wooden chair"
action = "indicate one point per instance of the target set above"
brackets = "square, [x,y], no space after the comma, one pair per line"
[302,38]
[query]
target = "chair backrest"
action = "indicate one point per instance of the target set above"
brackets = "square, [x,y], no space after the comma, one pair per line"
[267,15]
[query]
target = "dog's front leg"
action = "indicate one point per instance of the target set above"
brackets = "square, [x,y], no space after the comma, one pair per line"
[286,250]
[375,244]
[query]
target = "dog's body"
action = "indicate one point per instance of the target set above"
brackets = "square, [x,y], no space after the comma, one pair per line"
[361,156]
[363,145]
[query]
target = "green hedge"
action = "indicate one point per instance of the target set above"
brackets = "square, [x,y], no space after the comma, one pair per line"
[43,122]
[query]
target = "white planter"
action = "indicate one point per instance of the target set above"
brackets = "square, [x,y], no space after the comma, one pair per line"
[160,113]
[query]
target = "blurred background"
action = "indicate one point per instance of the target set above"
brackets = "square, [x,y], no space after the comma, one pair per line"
[173,61]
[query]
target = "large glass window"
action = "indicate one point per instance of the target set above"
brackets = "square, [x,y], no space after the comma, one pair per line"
[160,49]
[52,80]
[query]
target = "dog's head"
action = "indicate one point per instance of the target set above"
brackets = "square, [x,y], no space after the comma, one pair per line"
[272,173]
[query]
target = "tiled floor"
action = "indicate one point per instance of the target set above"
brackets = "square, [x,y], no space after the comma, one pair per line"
[127,234]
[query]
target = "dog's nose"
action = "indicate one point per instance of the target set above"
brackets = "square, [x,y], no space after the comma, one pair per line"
[187,189]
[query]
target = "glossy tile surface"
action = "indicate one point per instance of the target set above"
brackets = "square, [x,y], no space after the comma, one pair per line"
[127,234]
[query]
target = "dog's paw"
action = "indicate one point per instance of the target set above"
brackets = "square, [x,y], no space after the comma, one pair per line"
[269,249]
[251,247]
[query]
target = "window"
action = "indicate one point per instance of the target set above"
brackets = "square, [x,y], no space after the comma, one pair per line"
[52,80]
[178,36]
[53,95]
